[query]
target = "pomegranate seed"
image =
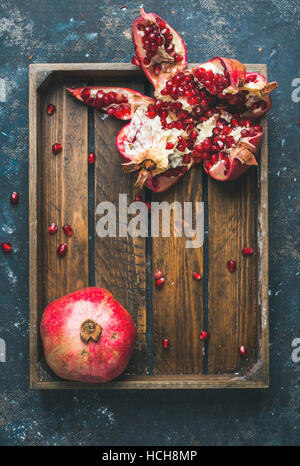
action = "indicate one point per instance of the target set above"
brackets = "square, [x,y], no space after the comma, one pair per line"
[166,343]
[135,61]
[62,249]
[56,148]
[148,205]
[204,335]
[231,266]
[52,228]
[138,198]
[186,159]
[196,276]
[158,275]
[156,68]
[242,350]
[245,133]
[51,109]
[247,251]
[169,145]
[178,58]
[6,247]
[91,157]
[14,198]
[159,283]
[67,230]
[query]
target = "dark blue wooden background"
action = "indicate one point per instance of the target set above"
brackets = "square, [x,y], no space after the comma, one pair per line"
[34,31]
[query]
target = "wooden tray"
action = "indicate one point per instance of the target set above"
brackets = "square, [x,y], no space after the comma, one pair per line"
[64,189]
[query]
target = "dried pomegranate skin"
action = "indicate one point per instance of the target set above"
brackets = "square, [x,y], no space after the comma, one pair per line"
[122,105]
[95,361]
[168,63]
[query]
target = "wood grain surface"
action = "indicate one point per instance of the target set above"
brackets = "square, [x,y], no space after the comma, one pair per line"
[120,262]
[232,302]
[65,195]
[178,306]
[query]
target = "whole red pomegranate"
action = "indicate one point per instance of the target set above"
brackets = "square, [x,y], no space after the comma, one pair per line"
[87,336]
[208,114]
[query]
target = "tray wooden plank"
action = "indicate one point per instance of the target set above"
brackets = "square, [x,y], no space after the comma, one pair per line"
[120,263]
[59,188]
[178,306]
[232,296]
[65,196]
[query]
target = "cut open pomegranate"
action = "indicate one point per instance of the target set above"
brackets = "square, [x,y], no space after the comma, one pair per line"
[208,114]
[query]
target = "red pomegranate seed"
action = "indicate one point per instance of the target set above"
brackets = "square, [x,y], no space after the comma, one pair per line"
[231,265]
[56,148]
[52,228]
[159,283]
[91,157]
[67,230]
[14,198]
[186,159]
[62,249]
[204,335]
[51,109]
[148,205]
[166,343]
[138,198]
[242,350]
[247,251]
[178,58]
[196,276]
[135,61]
[158,275]
[169,145]
[6,247]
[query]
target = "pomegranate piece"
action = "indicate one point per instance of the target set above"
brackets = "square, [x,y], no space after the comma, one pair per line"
[87,336]
[67,230]
[158,46]
[247,251]
[91,158]
[231,266]
[52,228]
[242,350]
[166,343]
[6,247]
[14,198]
[204,335]
[62,249]
[51,109]
[160,282]
[196,276]
[119,102]
[56,148]
[206,114]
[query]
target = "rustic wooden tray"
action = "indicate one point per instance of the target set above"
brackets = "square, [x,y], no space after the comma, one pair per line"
[64,189]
